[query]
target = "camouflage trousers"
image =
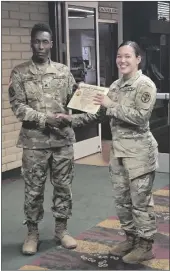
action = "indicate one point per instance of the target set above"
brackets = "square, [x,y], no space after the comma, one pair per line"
[133,200]
[37,165]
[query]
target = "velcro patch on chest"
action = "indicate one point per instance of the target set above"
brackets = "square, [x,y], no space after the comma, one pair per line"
[128,89]
[29,77]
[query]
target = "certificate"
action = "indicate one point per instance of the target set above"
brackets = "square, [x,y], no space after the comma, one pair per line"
[82,99]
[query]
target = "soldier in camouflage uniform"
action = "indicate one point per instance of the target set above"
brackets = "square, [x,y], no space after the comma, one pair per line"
[38,90]
[134,154]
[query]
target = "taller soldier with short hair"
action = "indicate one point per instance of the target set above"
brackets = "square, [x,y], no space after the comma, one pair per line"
[38,91]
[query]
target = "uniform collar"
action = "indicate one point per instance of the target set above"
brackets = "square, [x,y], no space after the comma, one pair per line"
[131,80]
[50,68]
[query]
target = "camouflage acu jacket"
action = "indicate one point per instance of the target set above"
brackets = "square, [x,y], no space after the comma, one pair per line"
[129,114]
[133,102]
[33,95]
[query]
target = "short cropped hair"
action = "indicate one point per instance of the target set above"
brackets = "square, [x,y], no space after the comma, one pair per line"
[41,27]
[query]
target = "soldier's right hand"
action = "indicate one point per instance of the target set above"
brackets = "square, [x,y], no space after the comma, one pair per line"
[59,120]
[53,121]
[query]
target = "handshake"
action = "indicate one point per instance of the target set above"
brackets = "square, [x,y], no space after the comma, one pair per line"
[59,120]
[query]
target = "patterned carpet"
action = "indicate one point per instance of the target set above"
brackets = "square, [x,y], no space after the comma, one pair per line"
[94,244]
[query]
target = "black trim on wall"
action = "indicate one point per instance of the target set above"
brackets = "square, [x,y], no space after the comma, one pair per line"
[11,174]
[95,34]
[54,27]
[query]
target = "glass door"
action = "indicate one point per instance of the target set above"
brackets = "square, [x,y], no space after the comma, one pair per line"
[82,60]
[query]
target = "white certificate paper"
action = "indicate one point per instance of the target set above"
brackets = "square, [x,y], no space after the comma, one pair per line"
[82,99]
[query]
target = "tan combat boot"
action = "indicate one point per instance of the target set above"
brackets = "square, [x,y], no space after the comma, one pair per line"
[62,235]
[142,252]
[124,247]
[31,242]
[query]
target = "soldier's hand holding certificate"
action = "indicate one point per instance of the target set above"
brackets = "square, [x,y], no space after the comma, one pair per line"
[84,98]
[103,100]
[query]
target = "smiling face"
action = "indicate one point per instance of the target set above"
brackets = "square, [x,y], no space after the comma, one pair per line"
[127,61]
[41,45]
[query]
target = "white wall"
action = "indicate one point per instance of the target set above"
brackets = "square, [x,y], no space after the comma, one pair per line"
[82,23]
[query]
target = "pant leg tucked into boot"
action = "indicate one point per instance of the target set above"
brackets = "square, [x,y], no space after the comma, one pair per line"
[31,242]
[62,235]
[144,218]
[124,247]
[142,252]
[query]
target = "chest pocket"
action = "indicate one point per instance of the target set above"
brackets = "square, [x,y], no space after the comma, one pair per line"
[113,95]
[32,88]
[57,85]
[127,96]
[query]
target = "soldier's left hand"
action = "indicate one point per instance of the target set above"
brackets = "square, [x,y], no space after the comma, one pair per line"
[65,118]
[75,87]
[103,100]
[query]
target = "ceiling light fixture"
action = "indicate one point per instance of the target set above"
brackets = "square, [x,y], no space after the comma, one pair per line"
[76,17]
[79,9]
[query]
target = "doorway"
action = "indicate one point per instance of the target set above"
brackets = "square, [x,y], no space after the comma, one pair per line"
[82,60]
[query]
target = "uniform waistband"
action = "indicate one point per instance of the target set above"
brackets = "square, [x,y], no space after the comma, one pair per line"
[29,125]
